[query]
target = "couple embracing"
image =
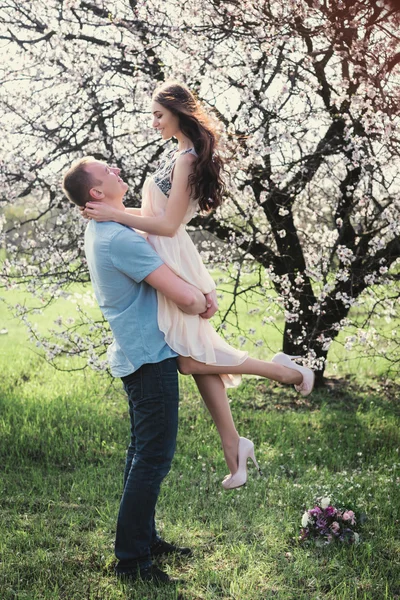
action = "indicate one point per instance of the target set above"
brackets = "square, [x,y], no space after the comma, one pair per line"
[158,297]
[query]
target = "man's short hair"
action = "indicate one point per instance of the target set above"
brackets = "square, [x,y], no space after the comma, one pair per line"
[77,182]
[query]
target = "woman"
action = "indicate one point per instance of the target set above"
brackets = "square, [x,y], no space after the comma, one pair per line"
[189,179]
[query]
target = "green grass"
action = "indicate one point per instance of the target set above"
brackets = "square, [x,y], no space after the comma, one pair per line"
[62,444]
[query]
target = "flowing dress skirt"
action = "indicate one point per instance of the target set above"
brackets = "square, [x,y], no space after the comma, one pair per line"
[188,335]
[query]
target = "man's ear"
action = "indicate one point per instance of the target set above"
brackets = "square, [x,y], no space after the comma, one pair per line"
[96,194]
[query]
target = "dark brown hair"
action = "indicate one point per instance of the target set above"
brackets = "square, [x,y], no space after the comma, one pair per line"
[206,182]
[77,182]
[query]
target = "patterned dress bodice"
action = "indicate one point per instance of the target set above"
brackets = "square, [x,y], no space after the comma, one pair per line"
[162,178]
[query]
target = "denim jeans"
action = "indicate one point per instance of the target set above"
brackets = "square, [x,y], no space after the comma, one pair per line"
[153,397]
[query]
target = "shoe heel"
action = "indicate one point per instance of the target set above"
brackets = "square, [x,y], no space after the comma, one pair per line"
[253,458]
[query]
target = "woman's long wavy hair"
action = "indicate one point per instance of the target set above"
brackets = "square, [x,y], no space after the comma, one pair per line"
[205,182]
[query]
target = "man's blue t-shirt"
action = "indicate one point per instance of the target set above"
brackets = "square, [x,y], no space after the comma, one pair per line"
[119,259]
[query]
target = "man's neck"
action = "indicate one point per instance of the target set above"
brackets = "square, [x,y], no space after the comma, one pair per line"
[117,204]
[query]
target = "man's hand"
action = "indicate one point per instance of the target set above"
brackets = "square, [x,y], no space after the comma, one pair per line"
[212,305]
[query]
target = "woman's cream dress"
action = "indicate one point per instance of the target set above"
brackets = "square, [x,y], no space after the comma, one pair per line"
[188,335]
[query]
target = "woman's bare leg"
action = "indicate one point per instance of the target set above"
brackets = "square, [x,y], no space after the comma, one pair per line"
[213,392]
[251,366]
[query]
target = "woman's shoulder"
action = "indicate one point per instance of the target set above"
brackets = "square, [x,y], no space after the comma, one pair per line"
[187,157]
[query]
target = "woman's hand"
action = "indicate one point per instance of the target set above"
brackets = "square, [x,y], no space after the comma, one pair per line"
[82,212]
[99,211]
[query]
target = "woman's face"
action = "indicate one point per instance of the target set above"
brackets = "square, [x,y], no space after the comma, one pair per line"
[164,121]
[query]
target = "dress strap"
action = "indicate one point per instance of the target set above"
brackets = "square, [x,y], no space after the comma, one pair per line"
[191,150]
[188,150]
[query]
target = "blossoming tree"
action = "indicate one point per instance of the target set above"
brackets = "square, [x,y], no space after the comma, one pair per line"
[307,94]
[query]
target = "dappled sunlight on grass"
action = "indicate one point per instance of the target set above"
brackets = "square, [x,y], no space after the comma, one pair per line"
[62,505]
[62,447]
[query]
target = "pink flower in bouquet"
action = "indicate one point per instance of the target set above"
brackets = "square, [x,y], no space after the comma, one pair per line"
[349,515]
[335,527]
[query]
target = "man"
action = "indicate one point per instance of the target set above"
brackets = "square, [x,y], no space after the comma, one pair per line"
[126,272]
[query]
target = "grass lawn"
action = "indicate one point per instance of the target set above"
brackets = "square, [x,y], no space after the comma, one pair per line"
[62,444]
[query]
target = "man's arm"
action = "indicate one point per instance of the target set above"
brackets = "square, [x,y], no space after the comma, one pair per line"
[131,254]
[187,297]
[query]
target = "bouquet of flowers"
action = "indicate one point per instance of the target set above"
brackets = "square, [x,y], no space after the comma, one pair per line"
[324,523]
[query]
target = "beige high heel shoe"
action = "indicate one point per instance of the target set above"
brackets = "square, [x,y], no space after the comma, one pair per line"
[245,451]
[306,386]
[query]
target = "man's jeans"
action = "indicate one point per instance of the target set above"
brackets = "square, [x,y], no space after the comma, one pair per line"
[153,407]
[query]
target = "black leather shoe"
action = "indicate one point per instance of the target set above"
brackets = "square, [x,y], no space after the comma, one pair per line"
[150,574]
[163,548]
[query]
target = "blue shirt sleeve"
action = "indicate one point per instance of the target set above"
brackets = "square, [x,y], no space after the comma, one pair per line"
[131,254]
